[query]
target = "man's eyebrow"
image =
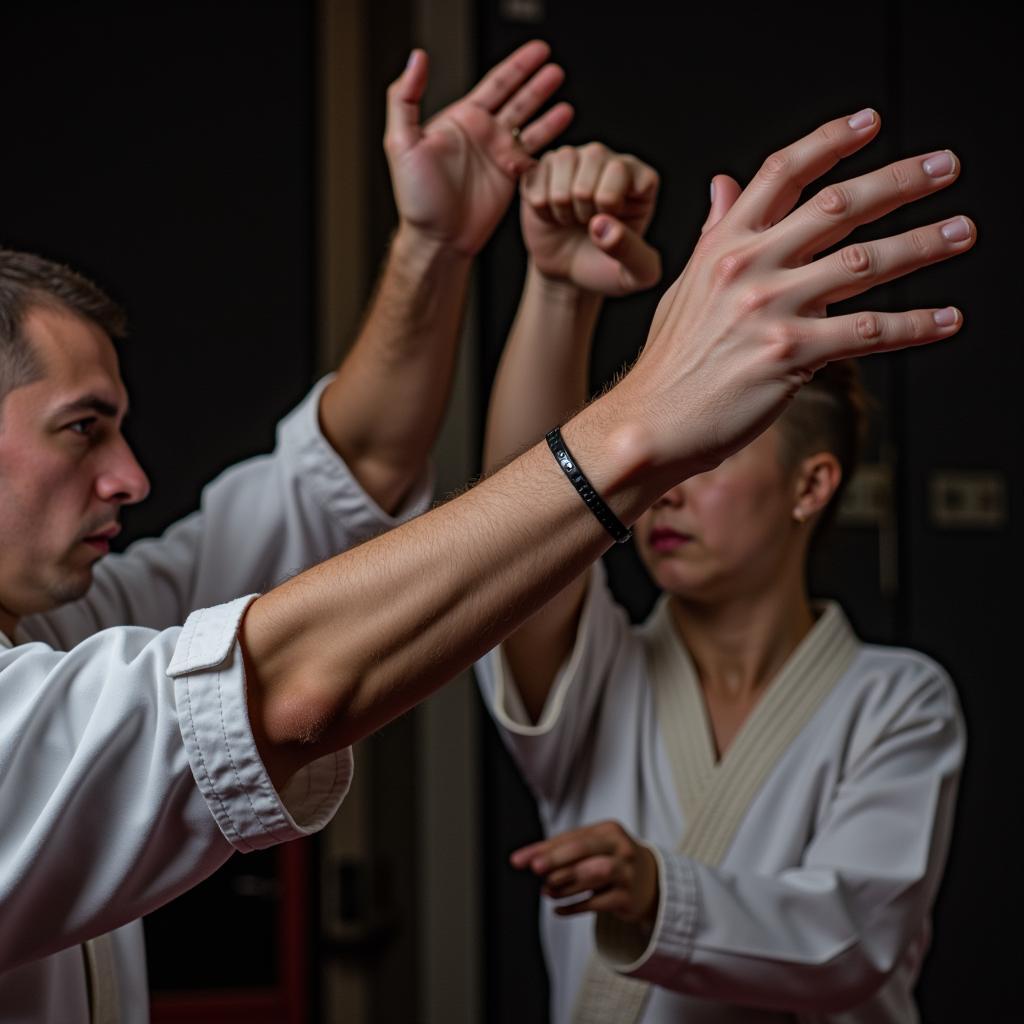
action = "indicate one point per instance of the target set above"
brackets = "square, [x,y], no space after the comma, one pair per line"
[90,403]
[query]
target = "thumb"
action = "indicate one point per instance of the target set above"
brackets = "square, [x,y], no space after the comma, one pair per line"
[402,130]
[724,192]
[639,263]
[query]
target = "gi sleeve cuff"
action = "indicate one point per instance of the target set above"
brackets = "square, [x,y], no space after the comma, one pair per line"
[209,681]
[324,471]
[508,704]
[655,954]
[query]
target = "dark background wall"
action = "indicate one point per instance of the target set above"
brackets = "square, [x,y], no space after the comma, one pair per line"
[168,151]
[699,89]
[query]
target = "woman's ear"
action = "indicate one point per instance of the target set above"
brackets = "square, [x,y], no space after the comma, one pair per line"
[817,480]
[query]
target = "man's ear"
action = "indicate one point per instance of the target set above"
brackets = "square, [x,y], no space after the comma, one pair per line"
[817,479]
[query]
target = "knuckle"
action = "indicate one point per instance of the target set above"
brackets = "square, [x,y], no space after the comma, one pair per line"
[832,136]
[783,343]
[920,244]
[856,260]
[869,328]
[918,327]
[901,180]
[594,149]
[777,165]
[582,193]
[755,298]
[833,201]
[730,267]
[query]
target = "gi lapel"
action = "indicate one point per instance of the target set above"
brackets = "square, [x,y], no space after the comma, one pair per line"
[101,977]
[714,797]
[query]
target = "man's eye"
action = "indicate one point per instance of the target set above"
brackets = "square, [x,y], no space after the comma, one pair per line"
[83,427]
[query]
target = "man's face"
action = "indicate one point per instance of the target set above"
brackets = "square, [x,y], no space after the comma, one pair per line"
[65,467]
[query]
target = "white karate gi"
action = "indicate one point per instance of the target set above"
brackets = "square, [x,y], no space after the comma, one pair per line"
[128,770]
[819,911]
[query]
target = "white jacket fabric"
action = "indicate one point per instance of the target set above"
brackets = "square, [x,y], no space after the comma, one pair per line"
[819,911]
[128,770]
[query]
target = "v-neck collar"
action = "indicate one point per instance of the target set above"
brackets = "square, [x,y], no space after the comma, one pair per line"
[804,679]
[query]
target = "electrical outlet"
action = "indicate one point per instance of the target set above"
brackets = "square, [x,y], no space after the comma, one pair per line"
[967,499]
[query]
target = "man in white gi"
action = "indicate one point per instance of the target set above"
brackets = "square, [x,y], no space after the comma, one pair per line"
[102,818]
[134,763]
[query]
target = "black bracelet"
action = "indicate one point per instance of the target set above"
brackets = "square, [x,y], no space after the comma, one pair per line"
[605,516]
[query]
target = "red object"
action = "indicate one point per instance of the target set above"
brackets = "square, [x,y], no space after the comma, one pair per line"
[285,1003]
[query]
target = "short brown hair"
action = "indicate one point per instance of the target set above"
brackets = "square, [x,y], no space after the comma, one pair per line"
[27,282]
[829,414]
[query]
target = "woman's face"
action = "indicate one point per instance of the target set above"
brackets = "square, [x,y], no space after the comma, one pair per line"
[726,533]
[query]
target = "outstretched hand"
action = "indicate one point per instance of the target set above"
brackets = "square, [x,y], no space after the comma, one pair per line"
[584,212]
[745,325]
[603,863]
[455,176]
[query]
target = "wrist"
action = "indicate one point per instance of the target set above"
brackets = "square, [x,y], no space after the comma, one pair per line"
[615,451]
[561,290]
[419,251]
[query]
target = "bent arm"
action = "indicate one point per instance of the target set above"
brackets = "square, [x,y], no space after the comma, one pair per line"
[383,410]
[340,650]
[343,648]
[827,934]
[129,775]
[541,381]
[584,211]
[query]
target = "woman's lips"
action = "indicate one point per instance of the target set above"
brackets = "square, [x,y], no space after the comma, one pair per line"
[664,539]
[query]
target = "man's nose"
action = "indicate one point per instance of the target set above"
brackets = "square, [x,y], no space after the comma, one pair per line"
[122,479]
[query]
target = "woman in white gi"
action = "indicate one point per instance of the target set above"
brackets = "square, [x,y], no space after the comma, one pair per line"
[747,809]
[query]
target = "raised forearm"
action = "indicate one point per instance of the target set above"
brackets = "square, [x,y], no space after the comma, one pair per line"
[383,410]
[542,376]
[343,648]
[541,382]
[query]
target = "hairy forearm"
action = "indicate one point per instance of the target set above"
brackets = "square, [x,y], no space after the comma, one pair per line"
[542,376]
[383,410]
[343,648]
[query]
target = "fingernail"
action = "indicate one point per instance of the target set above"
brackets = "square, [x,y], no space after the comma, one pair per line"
[408,63]
[946,317]
[712,192]
[865,119]
[956,230]
[938,165]
[602,227]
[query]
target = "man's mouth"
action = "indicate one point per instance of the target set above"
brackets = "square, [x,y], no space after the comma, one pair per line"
[100,540]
